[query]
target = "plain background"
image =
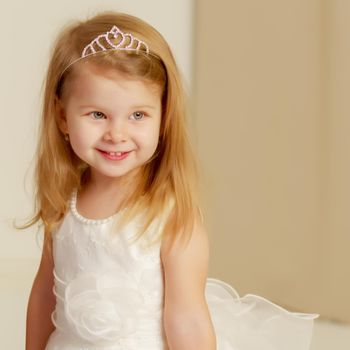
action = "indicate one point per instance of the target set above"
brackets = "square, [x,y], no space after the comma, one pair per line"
[272,120]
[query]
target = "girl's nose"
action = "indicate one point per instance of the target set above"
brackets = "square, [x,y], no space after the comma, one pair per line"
[116,132]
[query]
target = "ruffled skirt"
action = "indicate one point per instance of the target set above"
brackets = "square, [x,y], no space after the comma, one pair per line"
[247,323]
[254,323]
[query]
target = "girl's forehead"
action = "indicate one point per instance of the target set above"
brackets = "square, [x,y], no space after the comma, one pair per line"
[88,79]
[86,67]
[88,72]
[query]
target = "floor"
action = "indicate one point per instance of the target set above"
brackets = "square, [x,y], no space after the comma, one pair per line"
[14,293]
[331,336]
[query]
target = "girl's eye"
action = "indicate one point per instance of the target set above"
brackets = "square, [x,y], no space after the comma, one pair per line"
[138,115]
[98,115]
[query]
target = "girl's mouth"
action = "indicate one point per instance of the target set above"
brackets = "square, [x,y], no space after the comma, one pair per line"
[114,155]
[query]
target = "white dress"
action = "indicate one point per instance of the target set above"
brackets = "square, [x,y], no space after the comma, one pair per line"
[109,293]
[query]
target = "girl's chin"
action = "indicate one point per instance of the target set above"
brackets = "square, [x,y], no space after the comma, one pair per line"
[106,176]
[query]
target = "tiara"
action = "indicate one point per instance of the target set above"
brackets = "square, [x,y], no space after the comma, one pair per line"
[126,42]
[114,39]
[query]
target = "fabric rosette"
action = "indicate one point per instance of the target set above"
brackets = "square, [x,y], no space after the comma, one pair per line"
[102,309]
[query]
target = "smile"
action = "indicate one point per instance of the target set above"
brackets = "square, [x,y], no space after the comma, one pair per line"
[114,155]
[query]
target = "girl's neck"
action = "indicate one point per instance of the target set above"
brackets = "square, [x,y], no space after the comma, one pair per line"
[101,199]
[104,185]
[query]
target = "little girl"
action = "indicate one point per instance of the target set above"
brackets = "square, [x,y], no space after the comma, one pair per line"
[125,254]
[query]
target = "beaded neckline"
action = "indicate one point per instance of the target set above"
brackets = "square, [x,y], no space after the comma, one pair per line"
[73,208]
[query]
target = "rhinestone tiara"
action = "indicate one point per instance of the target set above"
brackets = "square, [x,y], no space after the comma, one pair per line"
[126,42]
[114,39]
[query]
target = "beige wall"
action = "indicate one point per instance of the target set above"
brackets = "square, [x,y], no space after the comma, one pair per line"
[271,120]
[337,236]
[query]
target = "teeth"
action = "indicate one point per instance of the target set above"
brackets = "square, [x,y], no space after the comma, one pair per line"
[118,154]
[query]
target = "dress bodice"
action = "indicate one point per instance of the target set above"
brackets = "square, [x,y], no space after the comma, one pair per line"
[109,287]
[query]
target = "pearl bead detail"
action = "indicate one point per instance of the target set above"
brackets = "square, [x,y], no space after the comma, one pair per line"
[73,208]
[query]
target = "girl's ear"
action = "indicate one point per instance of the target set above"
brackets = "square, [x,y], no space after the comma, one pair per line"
[61,118]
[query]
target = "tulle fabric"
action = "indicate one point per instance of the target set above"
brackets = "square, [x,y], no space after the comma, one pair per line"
[103,311]
[101,322]
[255,323]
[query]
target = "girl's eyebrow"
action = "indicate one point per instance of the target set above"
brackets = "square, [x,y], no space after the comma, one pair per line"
[143,106]
[101,107]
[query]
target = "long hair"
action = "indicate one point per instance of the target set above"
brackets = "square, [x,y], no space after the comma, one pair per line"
[170,175]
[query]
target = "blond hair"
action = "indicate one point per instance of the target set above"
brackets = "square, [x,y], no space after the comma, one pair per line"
[169,176]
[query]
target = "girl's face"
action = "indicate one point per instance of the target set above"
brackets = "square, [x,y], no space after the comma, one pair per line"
[113,121]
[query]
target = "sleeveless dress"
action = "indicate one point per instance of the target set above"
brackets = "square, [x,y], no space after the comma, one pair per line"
[109,295]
